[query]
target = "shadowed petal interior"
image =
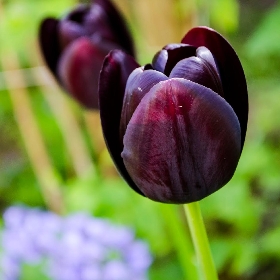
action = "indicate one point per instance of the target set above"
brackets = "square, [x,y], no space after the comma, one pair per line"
[177,52]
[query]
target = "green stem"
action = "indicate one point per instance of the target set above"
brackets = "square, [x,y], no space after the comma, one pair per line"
[200,241]
[181,241]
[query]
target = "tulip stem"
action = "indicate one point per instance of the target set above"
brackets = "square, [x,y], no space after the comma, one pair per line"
[181,241]
[199,237]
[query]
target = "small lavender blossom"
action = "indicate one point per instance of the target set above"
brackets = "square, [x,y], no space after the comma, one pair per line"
[77,247]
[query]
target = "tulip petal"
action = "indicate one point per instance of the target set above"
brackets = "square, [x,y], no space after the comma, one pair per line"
[69,31]
[199,71]
[78,14]
[117,25]
[159,60]
[116,69]
[177,52]
[182,142]
[230,69]
[205,54]
[96,21]
[49,42]
[79,68]
[138,84]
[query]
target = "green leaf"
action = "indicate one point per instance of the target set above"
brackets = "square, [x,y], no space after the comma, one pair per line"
[265,40]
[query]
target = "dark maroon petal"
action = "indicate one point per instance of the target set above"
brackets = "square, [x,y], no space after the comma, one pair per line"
[204,53]
[159,60]
[138,84]
[79,69]
[230,69]
[199,71]
[117,25]
[86,20]
[96,22]
[69,31]
[177,52]
[182,142]
[49,43]
[116,69]
[167,58]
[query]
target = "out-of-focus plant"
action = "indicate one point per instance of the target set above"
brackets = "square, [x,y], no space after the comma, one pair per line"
[264,43]
[74,247]
[242,218]
[75,46]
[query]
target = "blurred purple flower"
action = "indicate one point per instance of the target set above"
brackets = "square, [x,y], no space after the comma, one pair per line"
[175,128]
[76,247]
[75,46]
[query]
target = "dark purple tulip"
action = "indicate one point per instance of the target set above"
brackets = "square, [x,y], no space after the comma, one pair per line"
[75,46]
[175,128]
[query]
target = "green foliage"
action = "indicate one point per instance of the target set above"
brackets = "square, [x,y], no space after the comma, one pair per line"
[34,272]
[20,20]
[112,198]
[224,15]
[265,40]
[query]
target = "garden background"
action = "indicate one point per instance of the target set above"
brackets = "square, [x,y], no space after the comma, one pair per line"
[52,154]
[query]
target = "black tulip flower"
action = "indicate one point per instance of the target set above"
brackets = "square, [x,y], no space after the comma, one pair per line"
[75,46]
[175,128]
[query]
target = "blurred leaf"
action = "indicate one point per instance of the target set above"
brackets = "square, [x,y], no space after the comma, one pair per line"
[264,42]
[234,205]
[165,269]
[21,20]
[245,256]
[222,250]
[112,198]
[268,243]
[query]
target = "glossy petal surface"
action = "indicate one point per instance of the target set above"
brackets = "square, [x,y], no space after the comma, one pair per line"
[139,83]
[182,142]
[159,60]
[205,54]
[49,42]
[230,69]
[79,69]
[199,71]
[115,71]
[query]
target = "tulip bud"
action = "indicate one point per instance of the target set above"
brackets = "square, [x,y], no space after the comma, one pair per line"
[175,128]
[74,47]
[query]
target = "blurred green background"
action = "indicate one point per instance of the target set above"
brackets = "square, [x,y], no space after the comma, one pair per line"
[52,152]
